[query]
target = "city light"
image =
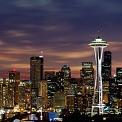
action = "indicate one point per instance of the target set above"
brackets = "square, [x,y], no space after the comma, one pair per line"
[56,95]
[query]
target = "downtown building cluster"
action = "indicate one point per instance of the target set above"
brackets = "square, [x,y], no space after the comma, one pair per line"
[55,91]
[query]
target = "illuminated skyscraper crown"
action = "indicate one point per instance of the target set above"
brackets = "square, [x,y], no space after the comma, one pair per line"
[98,42]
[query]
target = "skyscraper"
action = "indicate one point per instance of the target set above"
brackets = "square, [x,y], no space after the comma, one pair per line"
[119,81]
[106,66]
[7,93]
[119,86]
[98,44]
[14,77]
[36,75]
[67,71]
[66,77]
[25,95]
[106,75]
[44,93]
[87,73]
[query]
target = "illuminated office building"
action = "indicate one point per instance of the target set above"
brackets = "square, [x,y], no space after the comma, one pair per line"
[36,75]
[14,77]
[60,80]
[49,75]
[22,94]
[73,89]
[59,101]
[106,75]
[6,93]
[25,95]
[79,102]
[87,76]
[66,77]
[113,92]
[106,66]
[50,78]
[44,93]
[119,82]
[87,73]
[119,75]
[67,71]
[70,102]
[119,86]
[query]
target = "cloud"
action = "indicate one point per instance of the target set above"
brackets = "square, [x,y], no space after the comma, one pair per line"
[2,43]
[61,28]
[62,61]
[71,55]
[31,3]
[26,42]
[15,33]
[7,58]
[20,51]
[20,66]
[116,46]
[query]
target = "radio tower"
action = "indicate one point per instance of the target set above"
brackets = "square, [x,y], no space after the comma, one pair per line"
[97,105]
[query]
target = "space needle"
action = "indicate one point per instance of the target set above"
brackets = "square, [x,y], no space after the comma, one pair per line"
[97,104]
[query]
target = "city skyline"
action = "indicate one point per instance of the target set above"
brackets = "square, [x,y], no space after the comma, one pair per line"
[61,29]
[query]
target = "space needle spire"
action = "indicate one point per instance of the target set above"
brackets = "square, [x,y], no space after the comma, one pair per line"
[97,105]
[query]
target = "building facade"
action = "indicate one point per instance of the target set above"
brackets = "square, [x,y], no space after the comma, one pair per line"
[66,71]
[36,75]
[14,77]
[119,86]
[106,75]
[87,73]
[6,93]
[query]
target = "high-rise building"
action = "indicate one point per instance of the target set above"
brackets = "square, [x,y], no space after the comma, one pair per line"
[119,75]
[87,73]
[50,78]
[44,93]
[25,95]
[119,86]
[60,80]
[59,101]
[79,102]
[106,66]
[36,75]
[106,75]
[49,75]
[22,103]
[113,91]
[66,71]
[14,76]
[98,44]
[119,81]
[6,93]
[87,76]
[70,102]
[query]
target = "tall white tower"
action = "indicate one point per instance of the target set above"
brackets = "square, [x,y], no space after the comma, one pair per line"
[97,106]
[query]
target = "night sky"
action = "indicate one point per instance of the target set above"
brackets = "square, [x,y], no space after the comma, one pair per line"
[62,29]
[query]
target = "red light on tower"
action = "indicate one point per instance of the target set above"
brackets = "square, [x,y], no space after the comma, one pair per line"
[14,69]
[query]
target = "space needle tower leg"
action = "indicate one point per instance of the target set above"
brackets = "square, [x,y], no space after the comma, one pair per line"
[97,104]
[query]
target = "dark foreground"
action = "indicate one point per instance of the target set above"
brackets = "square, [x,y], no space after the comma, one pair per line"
[72,117]
[77,117]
